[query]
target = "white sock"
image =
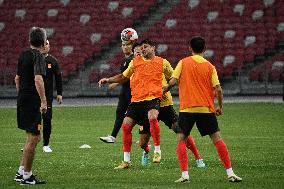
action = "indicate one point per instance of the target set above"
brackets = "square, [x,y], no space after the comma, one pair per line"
[27,174]
[126,157]
[21,170]
[184,174]
[157,149]
[230,172]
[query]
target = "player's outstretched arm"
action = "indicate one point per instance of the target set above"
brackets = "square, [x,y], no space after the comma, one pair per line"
[112,86]
[115,79]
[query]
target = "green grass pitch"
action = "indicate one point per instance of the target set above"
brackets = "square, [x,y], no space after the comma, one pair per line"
[253,132]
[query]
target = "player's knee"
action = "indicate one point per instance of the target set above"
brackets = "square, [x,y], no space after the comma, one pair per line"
[180,137]
[33,140]
[215,137]
[153,114]
[36,139]
[128,121]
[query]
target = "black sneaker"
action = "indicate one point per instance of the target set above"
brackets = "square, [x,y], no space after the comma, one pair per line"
[18,177]
[32,181]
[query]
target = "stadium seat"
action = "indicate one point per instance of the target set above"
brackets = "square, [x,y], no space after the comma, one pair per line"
[49,32]
[257,14]
[52,13]
[209,53]
[229,34]
[2,26]
[268,3]
[211,16]
[249,40]
[84,18]
[275,75]
[170,23]
[64,2]
[280,27]
[161,48]
[239,8]
[112,5]
[66,50]
[255,74]
[193,3]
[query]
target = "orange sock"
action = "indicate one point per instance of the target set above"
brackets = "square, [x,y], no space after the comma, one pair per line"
[155,131]
[182,156]
[126,137]
[223,153]
[192,146]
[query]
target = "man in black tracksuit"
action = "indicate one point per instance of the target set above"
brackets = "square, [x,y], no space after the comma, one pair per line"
[52,71]
[124,96]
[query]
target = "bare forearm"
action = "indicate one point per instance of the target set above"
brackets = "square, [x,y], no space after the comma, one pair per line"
[219,94]
[113,85]
[171,84]
[117,79]
[17,82]
[40,87]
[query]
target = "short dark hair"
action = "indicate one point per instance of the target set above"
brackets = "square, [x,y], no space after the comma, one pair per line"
[37,36]
[149,42]
[135,45]
[197,44]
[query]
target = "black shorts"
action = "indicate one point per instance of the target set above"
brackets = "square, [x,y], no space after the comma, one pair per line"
[28,113]
[206,123]
[168,115]
[139,112]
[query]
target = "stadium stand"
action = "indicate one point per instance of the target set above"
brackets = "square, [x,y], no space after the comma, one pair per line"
[272,69]
[76,29]
[236,31]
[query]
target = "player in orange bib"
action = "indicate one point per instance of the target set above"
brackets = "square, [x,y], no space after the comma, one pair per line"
[146,91]
[168,115]
[198,85]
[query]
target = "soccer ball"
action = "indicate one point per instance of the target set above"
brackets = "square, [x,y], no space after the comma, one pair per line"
[128,34]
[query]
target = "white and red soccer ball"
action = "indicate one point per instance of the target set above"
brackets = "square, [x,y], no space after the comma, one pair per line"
[128,34]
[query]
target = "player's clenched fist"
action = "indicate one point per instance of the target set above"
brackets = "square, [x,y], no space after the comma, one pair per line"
[103,81]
